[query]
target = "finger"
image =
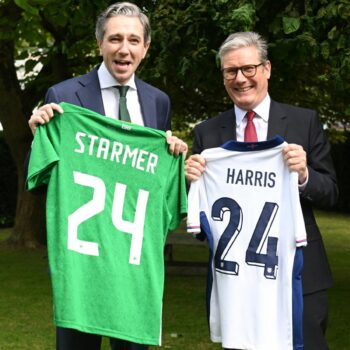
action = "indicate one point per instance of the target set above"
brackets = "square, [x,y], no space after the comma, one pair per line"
[56,107]
[44,114]
[180,147]
[176,145]
[176,149]
[198,158]
[192,174]
[34,122]
[171,146]
[194,167]
[48,110]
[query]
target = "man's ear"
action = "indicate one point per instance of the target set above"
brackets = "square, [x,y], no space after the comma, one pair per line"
[99,43]
[146,47]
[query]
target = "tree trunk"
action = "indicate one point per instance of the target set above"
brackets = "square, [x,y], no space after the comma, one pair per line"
[29,228]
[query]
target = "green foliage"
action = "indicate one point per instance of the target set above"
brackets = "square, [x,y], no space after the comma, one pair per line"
[290,24]
[25,5]
[309,49]
[311,59]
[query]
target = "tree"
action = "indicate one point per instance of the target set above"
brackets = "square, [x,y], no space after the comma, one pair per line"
[38,33]
[309,45]
[45,41]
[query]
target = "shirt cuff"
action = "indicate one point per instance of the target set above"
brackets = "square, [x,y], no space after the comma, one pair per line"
[303,185]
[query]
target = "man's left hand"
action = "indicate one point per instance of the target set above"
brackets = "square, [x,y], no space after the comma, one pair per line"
[176,145]
[295,156]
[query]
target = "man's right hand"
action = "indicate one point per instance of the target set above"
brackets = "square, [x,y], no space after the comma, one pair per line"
[194,167]
[43,115]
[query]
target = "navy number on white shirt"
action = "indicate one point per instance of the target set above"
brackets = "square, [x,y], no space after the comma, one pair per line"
[254,255]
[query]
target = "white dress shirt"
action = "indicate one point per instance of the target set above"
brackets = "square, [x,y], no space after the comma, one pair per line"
[260,120]
[110,96]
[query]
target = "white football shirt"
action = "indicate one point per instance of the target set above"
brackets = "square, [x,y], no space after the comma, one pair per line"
[247,205]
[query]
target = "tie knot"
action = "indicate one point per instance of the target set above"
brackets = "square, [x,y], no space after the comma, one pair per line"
[250,115]
[122,90]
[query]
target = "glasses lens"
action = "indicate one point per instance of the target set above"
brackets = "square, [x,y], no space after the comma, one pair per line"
[248,71]
[230,73]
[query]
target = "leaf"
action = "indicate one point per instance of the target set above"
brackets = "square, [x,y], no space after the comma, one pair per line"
[347,110]
[23,4]
[290,24]
[332,33]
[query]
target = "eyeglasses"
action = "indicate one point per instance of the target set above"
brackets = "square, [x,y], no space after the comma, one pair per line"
[248,71]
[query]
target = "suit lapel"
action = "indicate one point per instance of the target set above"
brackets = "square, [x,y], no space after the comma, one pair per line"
[147,104]
[227,126]
[89,94]
[277,121]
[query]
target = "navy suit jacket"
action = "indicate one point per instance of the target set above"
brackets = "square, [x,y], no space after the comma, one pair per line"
[85,91]
[300,126]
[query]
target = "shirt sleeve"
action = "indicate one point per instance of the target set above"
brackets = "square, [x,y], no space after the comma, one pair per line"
[193,215]
[299,229]
[43,155]
[177,195]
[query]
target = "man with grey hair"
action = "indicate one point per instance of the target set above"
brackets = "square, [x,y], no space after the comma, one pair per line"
[123,36]
[246,71]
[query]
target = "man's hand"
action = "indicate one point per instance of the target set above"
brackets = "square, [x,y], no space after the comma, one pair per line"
[194,167]
[43,115]
[295,156]
[176,145]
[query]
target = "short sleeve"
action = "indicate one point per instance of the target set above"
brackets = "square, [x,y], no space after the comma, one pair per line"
[43,155]
[176,193]
[299,225]
[193,216]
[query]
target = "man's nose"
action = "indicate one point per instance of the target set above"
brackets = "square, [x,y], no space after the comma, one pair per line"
[124,46]
[240,76]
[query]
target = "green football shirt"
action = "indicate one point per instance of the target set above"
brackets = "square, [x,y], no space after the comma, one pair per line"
[114,191]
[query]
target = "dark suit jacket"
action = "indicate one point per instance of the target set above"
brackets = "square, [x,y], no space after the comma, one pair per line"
[85,91]
[300,126]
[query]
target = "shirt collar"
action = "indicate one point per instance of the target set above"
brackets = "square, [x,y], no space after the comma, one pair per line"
[262,110]
[107,80]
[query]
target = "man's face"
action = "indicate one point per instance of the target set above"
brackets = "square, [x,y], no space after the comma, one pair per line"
[246,93]
[123,46]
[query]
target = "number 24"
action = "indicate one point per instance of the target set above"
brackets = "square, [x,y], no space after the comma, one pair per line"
[96,205]
[253,254]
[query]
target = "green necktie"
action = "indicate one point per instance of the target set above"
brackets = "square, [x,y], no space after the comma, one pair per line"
[123,110]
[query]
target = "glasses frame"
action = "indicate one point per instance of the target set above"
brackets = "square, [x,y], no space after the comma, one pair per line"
[236,69]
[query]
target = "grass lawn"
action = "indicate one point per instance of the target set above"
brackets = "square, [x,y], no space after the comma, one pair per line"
[26,303]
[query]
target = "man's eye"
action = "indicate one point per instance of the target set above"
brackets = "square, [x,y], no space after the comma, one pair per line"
[248,69]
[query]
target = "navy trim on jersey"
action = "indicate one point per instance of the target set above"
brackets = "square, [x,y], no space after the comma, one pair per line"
[205,227]
[297,303]
[252,146]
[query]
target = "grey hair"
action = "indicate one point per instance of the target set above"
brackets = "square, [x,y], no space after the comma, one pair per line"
[122,9]
[244,39]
